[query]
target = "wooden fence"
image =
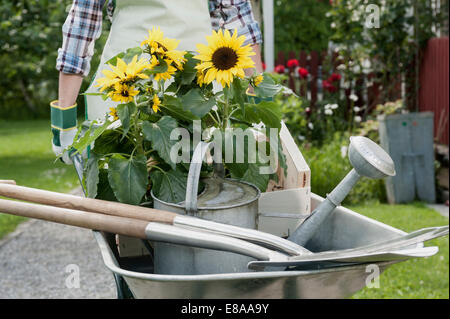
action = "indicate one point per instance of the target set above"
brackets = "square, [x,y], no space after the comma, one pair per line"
[434,83]
[368,95]
[433,93]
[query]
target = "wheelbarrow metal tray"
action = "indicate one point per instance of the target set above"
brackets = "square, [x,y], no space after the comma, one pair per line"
[343,229]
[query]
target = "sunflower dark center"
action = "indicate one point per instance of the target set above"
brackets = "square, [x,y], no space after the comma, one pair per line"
[224,58]
[162,46]
[125,93]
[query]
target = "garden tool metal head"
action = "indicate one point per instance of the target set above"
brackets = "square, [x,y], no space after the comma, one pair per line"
[396,249]
[368,159]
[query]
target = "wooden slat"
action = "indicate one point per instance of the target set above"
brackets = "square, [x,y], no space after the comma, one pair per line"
[373,93]
[298,172]
[303,63]
[434,83]
[291,72]
[314,64]
[280,58]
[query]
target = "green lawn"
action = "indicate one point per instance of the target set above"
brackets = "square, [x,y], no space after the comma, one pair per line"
[415,278]
[26,157]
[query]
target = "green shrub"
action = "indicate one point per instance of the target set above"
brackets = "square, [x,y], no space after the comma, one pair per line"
[301,25]
[30,35]
[329,164]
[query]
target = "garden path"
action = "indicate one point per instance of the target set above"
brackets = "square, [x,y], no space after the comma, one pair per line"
[41,260]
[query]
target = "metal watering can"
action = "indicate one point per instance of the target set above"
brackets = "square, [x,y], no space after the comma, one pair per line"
[223,200]
[368,159]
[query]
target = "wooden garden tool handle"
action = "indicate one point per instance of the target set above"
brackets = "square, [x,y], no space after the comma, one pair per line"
[113,224]
[86,204]
[7,181]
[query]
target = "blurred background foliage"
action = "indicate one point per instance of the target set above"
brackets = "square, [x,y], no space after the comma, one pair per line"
[301,25]
[30,35]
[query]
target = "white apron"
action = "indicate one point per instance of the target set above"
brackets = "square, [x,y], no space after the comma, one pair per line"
[187,21]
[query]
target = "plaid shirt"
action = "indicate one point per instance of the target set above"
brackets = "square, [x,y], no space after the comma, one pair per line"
[84,25]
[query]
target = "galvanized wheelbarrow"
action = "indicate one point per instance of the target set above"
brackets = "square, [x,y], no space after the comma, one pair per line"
[341,247]
[343,229]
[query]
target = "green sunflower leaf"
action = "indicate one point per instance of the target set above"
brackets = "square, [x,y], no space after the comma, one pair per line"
[159,134]
[104,190]
[172,106]
[125,111]
[91,177]
[126,56]
[196,103]
[169,186]
[93,132]
[189,71]
[267,88]
[267,112]
[253,176]
[160,68]
[238,94]
[110,142]
[128,178]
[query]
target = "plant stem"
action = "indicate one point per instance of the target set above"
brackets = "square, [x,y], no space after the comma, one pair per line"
[137,133]
[157,167]
[110,154]
[148,152]
[161,86]
[234,110]
[225,109]
[218,116]
[134,150]
[126,135]
[212,117]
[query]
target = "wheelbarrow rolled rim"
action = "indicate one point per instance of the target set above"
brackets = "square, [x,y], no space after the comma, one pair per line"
[112,265]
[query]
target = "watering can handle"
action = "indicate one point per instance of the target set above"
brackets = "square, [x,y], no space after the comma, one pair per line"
[194,176]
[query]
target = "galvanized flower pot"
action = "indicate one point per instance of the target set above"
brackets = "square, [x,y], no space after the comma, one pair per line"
[222,200]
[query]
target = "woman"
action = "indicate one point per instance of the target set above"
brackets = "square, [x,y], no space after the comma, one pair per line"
[188,21]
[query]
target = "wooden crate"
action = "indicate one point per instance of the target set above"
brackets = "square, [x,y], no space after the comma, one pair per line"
[287,203]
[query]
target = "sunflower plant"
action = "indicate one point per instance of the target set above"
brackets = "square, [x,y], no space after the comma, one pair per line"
[155,89]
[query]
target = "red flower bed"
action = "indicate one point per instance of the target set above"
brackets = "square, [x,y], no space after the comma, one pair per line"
[292,63]
[303,73]
[280,68]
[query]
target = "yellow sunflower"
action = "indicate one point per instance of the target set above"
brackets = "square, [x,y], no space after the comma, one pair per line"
[157,43]
[258,79]
[134,68]
[200,78]
[164,75]
[122,73]
[177,57]
[224,57]
[156,103]
[123,93]
[113,113]
[164,48]
[108,81]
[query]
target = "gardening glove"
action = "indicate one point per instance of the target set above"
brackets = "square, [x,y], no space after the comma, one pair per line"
[64,129]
